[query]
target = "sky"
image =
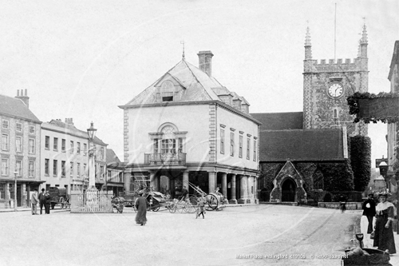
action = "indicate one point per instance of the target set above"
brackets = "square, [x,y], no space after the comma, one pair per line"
[82,59]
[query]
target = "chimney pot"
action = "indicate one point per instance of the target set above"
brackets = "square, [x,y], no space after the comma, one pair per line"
[205,61]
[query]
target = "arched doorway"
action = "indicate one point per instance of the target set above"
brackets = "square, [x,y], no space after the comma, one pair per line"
[288,190]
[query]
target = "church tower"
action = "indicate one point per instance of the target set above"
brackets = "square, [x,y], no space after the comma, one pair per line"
[327,84]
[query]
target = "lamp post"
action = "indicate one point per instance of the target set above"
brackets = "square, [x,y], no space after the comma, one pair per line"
[92,178]
[15,189]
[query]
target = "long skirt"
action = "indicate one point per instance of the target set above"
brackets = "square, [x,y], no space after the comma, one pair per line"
[141,216]
[383,237]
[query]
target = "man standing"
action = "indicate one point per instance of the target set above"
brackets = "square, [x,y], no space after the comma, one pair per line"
[42,200]
[47,202]
[34,201]
[368,207]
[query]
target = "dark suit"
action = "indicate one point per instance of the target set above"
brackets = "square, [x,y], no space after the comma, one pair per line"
[47,203]
[42,201]
[368,207]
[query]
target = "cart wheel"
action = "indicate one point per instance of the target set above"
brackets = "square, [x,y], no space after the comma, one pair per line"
[172,208]
[212,202]
[190,208]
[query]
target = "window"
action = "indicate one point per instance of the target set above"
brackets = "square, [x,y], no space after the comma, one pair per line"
[55,170]
[78,147]
[31,146]
[18,127]
[31,129]
[55,144]
[167,91]
[71,146]
[222,141]
[78,169]
[180,145]
[63,145]
[155,146]
[231,143]
[254,150]
[71,169]
[46,166]
[4,142]
[248,148]
[31,169]
[84,148]
[84,168]
[47,143]
[18,167]
[168,146]
[63,168]
[101,172]
[5,124]
[4,166]
[240,146]
[18,144]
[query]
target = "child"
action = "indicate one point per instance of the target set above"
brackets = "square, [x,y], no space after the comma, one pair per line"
[201,207]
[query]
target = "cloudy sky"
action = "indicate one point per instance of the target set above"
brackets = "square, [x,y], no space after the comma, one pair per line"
[81,59]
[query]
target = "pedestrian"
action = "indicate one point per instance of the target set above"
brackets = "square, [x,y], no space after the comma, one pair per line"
[201,207]
[42,200]
[141,207]
[383,232]
[47,202]
[368,207]
[342,203]
[34,200]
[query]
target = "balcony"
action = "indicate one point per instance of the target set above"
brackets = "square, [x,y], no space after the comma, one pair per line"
[165,159]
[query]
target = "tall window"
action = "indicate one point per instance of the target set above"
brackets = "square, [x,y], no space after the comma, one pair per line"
[31,146]
[55,168]
[84,168]
[5,124]
[84,148]
[168,146]
[46,166]
[255,150]
[231,143]
[240,146]
[4,166]
[167,91]
[31,169]
[71,146]
[222,141]
[63,168]
[31,129]
[47,142]
[18,127]
[71,169]
[55,144]
[78,147]
[101,172]
[78,169]
[180,145]
[156,146]
[18,144]
[248,147]
[18,167]
[4,142]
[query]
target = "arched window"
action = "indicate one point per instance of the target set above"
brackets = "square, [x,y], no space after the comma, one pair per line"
[167,91]
[168,140]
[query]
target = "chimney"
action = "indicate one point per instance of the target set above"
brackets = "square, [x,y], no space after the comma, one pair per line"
[23,97]
[69,121]
[205,62]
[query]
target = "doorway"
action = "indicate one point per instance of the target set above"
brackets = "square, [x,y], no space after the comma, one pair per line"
[288,190]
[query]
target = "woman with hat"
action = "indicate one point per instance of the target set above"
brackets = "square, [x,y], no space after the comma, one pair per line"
[141,207]
[383,234]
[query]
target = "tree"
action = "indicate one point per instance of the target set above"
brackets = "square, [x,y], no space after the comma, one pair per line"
[360,155]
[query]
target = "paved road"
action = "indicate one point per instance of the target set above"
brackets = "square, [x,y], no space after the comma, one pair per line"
[235,236]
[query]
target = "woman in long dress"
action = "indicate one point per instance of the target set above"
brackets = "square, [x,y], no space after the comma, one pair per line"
[141,207]
[383,234]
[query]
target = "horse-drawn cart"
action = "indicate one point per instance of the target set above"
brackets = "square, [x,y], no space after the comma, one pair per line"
[215,200]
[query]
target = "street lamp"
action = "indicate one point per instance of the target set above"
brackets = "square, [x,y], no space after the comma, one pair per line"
[383,171]
[15,189]
[91,132]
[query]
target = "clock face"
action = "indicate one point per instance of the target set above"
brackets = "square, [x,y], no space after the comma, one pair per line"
[335,90]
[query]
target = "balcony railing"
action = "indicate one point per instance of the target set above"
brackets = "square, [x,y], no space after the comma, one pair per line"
[165,159]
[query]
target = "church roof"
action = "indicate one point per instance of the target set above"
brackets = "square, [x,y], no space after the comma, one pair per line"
[279,121]
[10,106]
[301,145]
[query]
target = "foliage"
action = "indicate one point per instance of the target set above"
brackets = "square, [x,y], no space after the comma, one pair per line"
[337,176]
[353,102]
[360,150]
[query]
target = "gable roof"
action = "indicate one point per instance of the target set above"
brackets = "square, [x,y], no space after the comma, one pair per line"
[111,157]
[10,106]
[279,121]
[301,145]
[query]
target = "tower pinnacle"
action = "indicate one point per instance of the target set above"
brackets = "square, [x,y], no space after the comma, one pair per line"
[363,40]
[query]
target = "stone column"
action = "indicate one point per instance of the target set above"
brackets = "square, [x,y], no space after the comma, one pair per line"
[224,185]
[256,190]
[233,199]
[126,184]
[243,189]
[23,195]
[152,180]
[185,179]
[7,195]
[211,182]
[249,194]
